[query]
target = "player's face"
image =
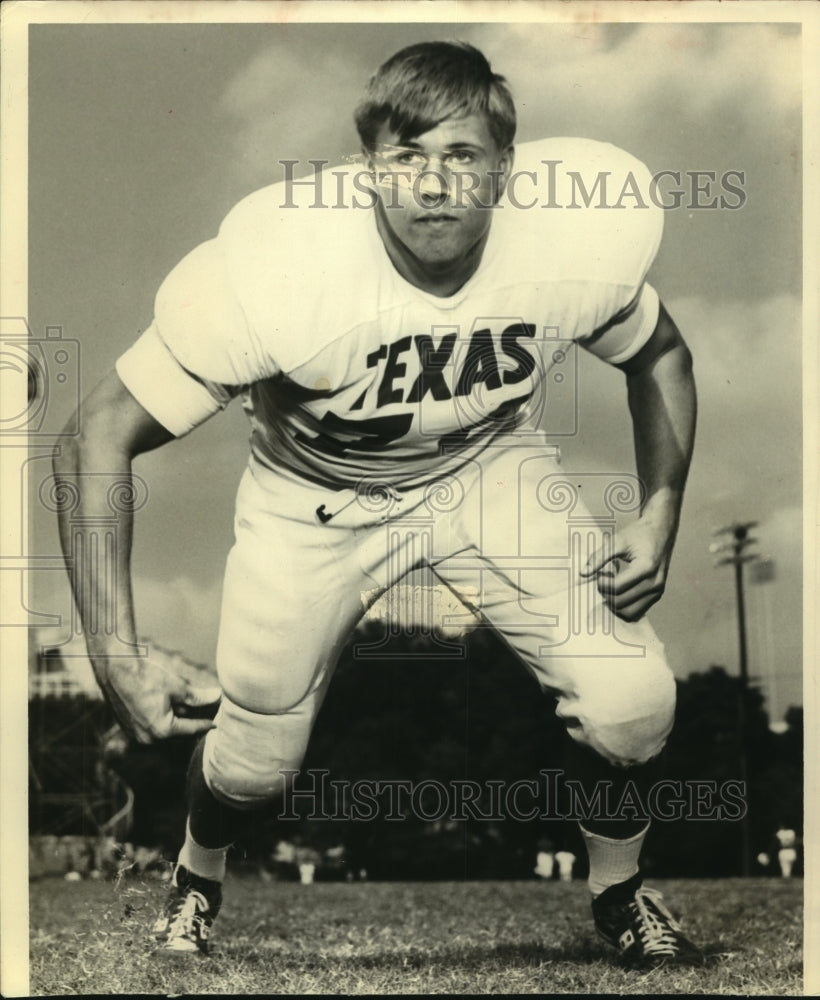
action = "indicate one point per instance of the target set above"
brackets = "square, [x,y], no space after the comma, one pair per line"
[436,194]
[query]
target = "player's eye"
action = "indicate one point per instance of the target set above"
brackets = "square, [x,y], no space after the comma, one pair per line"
[410,158]
[461,158]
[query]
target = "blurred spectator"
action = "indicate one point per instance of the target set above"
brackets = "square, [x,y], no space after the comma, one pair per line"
[566,862]
[787,853]
[545,859]
[307,859]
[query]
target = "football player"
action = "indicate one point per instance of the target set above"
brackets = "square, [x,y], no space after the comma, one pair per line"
[393,355]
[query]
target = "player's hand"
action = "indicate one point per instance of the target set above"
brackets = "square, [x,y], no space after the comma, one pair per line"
[153,703]
[631,571]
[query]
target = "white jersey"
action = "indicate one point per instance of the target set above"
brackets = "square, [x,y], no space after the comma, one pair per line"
[348,372]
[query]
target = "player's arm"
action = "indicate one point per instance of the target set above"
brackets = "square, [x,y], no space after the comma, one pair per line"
[186,366]
[114,429]
[663,406]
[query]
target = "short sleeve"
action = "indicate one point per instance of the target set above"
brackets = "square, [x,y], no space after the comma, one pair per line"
[200,319]
[199,351]
[627,306]
[173,396]
[595,239]
[621,337]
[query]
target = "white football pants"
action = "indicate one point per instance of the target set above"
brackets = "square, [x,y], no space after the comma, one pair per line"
[507,534]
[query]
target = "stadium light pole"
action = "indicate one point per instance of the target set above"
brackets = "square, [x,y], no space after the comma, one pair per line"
[736,545]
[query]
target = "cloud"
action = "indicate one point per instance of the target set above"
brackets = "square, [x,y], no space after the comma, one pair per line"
[748,452]
[567,78]
[281,109]
[599,72]
[181,614]
[748,369]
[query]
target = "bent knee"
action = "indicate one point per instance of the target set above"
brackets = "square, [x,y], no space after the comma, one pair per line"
[250,759]
[245,789]
[628,720]
[631,732]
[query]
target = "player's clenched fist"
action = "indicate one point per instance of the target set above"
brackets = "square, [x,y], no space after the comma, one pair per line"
[152,702]
[631,573]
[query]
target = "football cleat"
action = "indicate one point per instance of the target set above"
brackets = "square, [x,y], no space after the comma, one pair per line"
[190,910]
[636,922]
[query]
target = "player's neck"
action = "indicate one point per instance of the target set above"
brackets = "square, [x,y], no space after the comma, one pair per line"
[443,278]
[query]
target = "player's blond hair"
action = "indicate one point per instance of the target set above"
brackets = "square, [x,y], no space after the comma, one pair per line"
[424,84]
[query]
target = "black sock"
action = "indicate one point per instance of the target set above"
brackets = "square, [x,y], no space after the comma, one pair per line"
[213,824]
[626,787]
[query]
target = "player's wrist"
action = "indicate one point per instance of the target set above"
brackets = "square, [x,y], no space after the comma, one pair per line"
[662,506]
[661,514]
[108,667]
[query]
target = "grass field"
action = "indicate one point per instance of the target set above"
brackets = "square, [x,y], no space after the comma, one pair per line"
[412,937]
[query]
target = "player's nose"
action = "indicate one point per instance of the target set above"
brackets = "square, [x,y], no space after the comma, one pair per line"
[433,188]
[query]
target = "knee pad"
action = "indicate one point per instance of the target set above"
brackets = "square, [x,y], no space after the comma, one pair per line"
[633,727]
[249,758]
[627,714]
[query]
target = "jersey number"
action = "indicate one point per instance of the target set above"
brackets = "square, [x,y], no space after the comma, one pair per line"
[337,435]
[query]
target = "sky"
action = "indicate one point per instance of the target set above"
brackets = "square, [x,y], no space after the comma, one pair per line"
[141,137]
